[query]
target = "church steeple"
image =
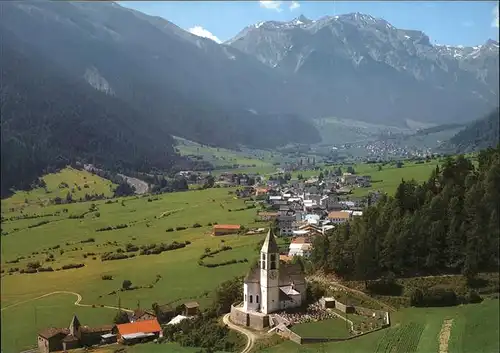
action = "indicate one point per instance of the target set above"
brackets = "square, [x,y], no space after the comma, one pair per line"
[269,274]
[269,245]
[74,327]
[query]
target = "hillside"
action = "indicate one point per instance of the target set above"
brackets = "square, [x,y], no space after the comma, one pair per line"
[49,119]
[479,135]
[190,86]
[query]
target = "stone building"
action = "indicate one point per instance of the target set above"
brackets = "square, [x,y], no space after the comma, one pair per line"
[58,339]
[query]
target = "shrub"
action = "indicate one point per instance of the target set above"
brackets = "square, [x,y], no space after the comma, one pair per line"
[46,269]
[196,225]
[131,247]
[169,230]
[126,284]
[29,270]
[33,265]
[121,318]
[89,240]
[436,296]
[473,297]
[119,226]
[180,228]
[106,277]
[97,214]
[69,266]
[108,256]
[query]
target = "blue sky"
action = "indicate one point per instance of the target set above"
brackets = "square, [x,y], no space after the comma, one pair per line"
[466,23]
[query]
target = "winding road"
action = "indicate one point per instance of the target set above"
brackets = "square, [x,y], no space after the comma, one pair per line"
[77,302]
[251,337]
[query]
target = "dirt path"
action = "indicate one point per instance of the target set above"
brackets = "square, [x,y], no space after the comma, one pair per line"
[251,337]
[444,336]
[77,302]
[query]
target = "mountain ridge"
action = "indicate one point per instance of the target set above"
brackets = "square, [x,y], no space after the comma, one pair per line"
[357,49]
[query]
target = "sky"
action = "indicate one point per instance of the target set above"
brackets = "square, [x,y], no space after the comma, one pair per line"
[467,23]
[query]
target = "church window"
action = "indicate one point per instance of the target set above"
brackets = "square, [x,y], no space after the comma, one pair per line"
[245,297]
[257,299]
[251,298]
[273,261]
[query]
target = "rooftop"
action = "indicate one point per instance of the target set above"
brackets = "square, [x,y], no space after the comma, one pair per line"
[146,326]
[339,214]
[227,226]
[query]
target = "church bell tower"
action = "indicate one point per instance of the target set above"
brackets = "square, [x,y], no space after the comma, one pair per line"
[269,275]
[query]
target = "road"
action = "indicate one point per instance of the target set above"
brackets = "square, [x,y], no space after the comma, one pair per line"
[77,302]
[251,337]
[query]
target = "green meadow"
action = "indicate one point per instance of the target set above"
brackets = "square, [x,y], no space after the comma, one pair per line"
[222,156]
[474,328]
[147,218]
[78,183]
[387,179]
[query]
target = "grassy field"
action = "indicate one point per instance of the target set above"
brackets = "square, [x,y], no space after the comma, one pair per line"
[181,276]
[222,156]
[80,182]
[475,328]
[331,328]
[387,179]
[338,131]
[21,323]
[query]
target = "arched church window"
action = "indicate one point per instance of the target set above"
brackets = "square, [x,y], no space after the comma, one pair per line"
[257,299]
[251,298]
[245,297]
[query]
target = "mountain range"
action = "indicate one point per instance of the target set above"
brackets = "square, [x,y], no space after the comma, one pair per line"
[111,75]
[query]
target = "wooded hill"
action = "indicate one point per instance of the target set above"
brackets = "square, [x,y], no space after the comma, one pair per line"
[448,224]
[49,120]
[480,134]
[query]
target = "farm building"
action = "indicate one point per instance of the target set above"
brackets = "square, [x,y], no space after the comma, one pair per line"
[138,331]
[191,308]
[57,339]
[222,229]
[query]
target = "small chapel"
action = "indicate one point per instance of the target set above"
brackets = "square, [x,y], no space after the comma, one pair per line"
[269,286]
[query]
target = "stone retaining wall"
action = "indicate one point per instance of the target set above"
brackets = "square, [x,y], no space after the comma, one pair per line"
[342,307]
[254,321]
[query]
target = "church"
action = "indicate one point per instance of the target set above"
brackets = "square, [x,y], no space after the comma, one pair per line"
[269,286]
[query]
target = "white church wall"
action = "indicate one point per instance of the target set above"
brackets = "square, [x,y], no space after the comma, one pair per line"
[251,296]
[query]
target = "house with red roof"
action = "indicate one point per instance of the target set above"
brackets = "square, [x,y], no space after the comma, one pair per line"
[223,229]
[134,332]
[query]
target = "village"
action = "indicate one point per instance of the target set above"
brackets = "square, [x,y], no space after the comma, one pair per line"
[298,210]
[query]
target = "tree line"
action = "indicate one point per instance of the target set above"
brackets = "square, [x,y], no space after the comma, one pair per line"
[448,224]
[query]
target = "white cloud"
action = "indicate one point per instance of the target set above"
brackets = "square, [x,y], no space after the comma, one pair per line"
[271,5]
[202,32]
[294,5]
[495,17]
